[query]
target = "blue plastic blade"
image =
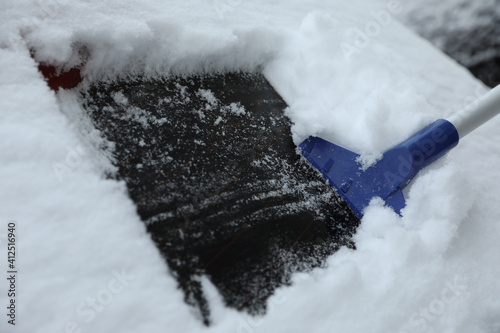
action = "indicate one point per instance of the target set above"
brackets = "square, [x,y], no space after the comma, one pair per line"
[389,176]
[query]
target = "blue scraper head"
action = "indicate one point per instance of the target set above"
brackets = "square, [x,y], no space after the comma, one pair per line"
[386,178]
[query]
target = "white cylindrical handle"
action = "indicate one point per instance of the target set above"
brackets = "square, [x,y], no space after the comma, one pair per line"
[477,113]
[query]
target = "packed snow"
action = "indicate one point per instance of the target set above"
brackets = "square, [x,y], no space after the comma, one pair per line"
[349,72]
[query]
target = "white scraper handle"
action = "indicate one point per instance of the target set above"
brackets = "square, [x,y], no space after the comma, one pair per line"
[477,113]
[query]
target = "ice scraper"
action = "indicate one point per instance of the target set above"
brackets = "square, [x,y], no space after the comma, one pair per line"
[390,175]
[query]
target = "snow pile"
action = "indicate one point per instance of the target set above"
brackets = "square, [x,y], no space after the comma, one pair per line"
[131,37]
[377,81]
[354,77]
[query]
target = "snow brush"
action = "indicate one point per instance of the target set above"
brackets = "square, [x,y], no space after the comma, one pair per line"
[390,175]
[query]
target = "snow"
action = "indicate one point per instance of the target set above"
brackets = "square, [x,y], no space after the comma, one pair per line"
[432,270]
[235,108]
[120,98]
[213,102]
[441,22]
